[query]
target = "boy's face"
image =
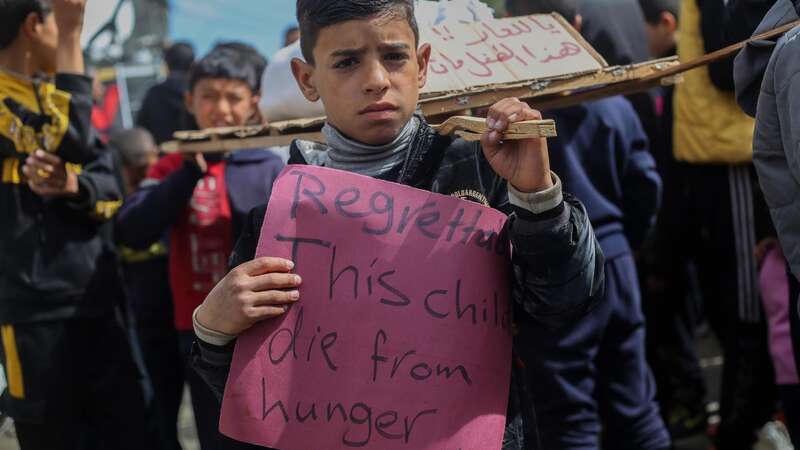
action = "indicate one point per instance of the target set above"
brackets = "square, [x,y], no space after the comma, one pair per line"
[43,36]
[219,102]
[136,173]
[661,36]
[368,74]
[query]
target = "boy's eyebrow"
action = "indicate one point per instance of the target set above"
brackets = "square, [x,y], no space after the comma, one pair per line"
[345,52]
[348,52]
[395,46]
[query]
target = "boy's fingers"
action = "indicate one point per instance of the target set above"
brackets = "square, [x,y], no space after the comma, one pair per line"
[274,297]
[507,111]
[37,165]
[274,280]
[495,112]
[35,174]
[490,141]
[259,313]
[266,264]
[48,158]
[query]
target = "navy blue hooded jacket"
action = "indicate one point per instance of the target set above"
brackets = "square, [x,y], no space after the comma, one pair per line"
[602,157]
[148,213]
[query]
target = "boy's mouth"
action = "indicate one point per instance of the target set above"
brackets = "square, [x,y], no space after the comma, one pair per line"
[379,111]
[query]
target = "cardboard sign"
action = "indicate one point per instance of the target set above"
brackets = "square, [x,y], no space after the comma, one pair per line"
[470,55]
[401,336]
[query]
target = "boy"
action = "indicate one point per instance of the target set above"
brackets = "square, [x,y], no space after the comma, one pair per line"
[163,110]
[718,205]
[202,203]
[146,282]
[365,63]
[661,25]
[602,154]
[67,359]
[666,284]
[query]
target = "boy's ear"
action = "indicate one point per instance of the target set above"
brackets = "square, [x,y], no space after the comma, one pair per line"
[30,26]
[188,101]
[423,57]
[304,75]
[254,108]
[669,21]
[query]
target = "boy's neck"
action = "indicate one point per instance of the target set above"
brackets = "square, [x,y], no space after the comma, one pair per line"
[17,59]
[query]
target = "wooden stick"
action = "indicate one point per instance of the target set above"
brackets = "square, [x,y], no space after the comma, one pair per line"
[471,128]
[232,144]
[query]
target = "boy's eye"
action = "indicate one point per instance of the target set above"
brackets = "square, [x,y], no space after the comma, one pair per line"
[345,63]
[396,56]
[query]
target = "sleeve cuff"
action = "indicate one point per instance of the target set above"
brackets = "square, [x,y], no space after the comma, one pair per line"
[74,83]
[86,197]
[210,336]
[537,202]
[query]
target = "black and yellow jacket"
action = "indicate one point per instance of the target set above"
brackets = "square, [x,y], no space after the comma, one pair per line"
[56,257]
[52,115]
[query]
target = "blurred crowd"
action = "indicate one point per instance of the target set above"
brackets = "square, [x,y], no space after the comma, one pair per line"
[108,248]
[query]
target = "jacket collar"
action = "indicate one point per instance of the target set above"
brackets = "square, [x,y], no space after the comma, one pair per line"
[425,153]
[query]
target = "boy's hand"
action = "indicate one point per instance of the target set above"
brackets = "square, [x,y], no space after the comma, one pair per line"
[256,290]
[69,19]
[69,16]
[524,163]
[197,159]
[47,175]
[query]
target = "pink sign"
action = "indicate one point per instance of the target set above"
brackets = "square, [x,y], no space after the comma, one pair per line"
[401,338]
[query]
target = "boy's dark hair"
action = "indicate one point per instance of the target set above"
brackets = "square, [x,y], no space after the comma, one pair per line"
[653,8]
[133,145]
[567,8]
[225,63]
[258,61]
[179,57]
[13,14]
[314,15]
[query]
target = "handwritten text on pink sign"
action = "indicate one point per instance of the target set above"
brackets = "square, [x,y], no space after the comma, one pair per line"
[401,338]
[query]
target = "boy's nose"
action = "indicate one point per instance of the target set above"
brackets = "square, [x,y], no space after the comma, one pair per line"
[223,107]
[377,79]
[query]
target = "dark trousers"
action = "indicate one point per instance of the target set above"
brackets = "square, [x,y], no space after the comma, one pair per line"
[73,382]
[150,299]
[712,218]
[595,372]
[162,357]
[206,408]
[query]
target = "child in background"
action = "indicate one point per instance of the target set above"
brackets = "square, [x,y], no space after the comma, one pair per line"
[146,281]
[202,203]
[364,61]
[665,274]
[68,361]
[602,387]
[774,281]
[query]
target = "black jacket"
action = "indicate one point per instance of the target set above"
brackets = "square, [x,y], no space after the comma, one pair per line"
[558,264]
[56,256]
[53,115]
[724,23]
[163,110]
